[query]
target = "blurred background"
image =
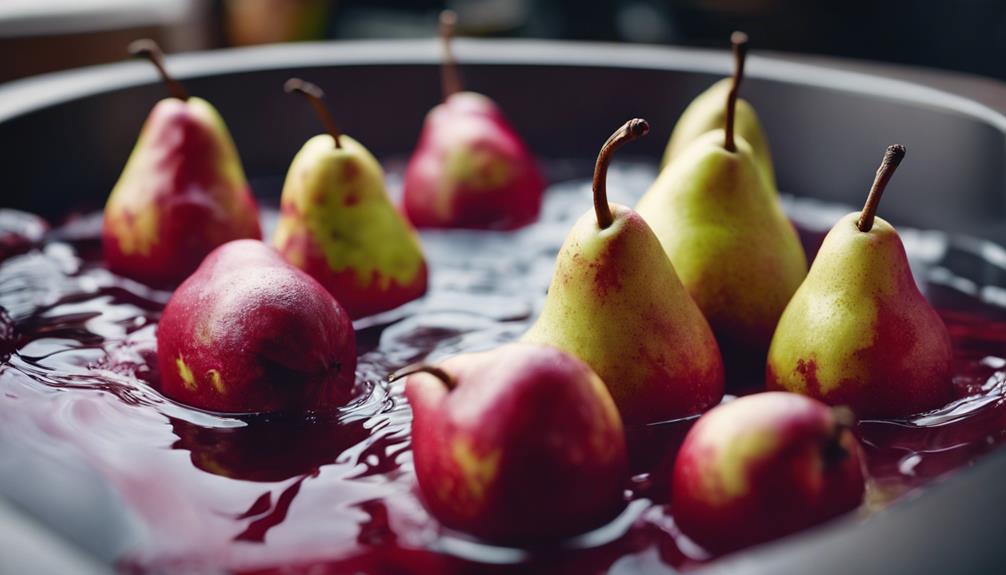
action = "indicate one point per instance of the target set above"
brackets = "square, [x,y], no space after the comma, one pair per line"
[38,36]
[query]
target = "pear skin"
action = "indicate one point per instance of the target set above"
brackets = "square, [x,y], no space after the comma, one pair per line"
[732,246]
[858,332]
[616,303]
[706,113]
[182,193]
[338,224]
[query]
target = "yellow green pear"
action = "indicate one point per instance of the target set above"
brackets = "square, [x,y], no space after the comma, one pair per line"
[707,112]
[338,224]
[858,332]
[722,225]
[617,304]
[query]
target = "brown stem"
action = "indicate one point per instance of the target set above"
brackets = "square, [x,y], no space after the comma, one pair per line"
[739,42]
[833,451]
[892,157]
[314,95]
[629,131]
[415,368]
[450,78]
[149,49]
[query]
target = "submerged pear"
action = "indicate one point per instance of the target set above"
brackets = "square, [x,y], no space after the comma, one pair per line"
[617,304]
[182,193]
[722,225]
[338,224]
[858,332]
[708,112]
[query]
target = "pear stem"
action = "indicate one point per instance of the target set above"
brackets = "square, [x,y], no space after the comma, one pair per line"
[845,420]
[314,95]
[450,78]
[415,368]
[149,49]
[739,42]
[892,158]
[629,131]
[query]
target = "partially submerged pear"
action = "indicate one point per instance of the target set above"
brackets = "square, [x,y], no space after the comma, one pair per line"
[518,444]
[859,332]
[182,193]
[338,224]
[470,169]
[617,304]
[248,332]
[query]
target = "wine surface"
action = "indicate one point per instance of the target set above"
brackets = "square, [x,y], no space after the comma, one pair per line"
[183,491]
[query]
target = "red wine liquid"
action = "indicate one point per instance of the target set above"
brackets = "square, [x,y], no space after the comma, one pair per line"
[334,493]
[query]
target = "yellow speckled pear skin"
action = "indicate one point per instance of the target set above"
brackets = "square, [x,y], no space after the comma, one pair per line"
[617,304]
[706,112]
[338,224]
[338,195]
[858,332]
[732,246]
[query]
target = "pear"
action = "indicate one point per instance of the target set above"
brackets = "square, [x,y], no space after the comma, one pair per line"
[248,332]
[707,112]
[338,224]
[470,168]
[617,304]
[519,444]
[182,193]
[858,332]
[721,223]
[764,466]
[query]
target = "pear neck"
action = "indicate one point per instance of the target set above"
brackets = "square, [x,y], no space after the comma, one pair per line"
[450,77]
[433,370]
[631,130]
[739,43]
[892,159]
[315,96]
[149,50]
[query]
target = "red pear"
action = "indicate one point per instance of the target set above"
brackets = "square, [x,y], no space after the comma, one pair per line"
[517,444]
[470,168]
[248,332]
[764,466]
[182,193]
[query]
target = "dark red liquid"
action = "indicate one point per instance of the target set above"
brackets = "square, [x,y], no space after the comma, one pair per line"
[335,492]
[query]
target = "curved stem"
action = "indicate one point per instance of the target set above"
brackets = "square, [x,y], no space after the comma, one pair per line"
[433,370]
[450,78]
[314,95]
[892,157]
[149,49]
[629,131]
[739,42]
